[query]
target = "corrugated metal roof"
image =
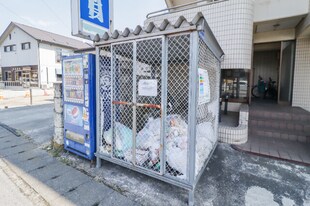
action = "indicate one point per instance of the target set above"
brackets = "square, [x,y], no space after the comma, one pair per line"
[151,28]
[165,27]
[45,36]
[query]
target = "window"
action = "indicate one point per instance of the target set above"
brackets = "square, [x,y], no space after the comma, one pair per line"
[26,46]
[10,36]
[8,76]
[235,84]
[58,55]
[18,75]
[10,48]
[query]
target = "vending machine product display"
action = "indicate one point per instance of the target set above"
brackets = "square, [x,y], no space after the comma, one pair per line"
[79,104]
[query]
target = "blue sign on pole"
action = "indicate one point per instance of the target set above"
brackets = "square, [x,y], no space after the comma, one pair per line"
[96,12]
[91,17]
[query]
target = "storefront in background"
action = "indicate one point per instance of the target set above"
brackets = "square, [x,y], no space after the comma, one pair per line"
[23,74]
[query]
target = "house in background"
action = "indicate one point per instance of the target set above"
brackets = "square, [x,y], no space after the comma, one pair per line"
[0,69]
[33,56]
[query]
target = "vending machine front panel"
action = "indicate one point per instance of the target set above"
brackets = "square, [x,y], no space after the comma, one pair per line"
[79,104]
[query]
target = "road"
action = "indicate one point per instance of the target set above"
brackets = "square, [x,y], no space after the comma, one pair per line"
[34,121]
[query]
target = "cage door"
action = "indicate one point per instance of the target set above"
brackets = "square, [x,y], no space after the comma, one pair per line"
[122,100]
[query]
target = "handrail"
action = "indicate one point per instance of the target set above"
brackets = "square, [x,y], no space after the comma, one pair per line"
[208,2]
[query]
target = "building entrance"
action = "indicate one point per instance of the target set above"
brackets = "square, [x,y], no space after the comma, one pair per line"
[273,66]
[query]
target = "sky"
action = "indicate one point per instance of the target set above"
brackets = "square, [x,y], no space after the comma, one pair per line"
[55,15]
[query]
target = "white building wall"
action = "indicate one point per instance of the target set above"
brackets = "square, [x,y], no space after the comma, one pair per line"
[19,57]
[48,64]
[301,88]
[266,10]
[232,24]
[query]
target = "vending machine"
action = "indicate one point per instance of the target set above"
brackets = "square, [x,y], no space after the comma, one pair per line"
[79,104]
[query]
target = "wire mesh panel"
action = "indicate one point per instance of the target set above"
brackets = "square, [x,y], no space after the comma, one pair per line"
[207,105]
[105,146]
[177,106]
[122,97]
[148,102]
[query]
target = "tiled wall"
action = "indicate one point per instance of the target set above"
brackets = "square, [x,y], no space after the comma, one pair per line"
[232,24]
[301,88]
[239,134]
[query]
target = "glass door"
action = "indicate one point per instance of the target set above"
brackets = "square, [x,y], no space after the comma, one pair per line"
[286,72]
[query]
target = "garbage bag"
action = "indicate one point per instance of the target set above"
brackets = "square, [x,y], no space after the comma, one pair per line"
[149,139]
[205,140]
[123,138]
[177,142]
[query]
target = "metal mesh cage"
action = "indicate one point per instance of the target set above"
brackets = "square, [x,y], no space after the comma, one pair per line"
[149,88]
[177,105]
[207,111]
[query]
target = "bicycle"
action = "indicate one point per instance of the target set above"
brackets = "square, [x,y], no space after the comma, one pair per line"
[270,89]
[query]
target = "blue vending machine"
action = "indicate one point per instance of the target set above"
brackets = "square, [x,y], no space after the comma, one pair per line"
[79,100]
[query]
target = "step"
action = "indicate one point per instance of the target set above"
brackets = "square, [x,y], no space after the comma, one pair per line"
[288,116]
[298,126]
[281,134]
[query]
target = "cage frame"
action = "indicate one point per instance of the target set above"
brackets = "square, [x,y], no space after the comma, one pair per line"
[192,28]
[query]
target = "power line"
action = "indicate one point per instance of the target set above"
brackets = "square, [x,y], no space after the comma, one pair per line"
[17,15]
[55,14]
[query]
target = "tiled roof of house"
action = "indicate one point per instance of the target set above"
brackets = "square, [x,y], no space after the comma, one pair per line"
[46,37]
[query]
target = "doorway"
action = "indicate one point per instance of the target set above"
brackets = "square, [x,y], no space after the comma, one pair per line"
[286,72]
[273,68]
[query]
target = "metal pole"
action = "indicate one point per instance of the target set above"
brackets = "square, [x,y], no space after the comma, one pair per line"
[191,198]
[193,88]
[164,80]
[134,107]
[98,110]
[30,91]
[226,103]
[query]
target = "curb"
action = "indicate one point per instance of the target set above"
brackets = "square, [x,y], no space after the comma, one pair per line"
[18,133]
[12,130]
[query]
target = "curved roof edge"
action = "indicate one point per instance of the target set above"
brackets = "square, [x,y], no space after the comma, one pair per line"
[198,23]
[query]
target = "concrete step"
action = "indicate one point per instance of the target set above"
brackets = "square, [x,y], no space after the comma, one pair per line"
[297,126]
[280,115]
[279,133]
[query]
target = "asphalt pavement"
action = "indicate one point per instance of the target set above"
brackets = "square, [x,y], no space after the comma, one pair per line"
[35,121]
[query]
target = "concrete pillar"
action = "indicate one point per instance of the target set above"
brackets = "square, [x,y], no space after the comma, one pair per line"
[58,138]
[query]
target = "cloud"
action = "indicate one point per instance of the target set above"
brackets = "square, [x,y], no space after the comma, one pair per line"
[39,22]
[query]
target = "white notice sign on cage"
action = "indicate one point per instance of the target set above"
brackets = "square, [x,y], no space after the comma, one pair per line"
[147,87]
[204,87]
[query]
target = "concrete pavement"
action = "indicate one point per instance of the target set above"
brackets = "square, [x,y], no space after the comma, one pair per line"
[10,194]
[49,181]
[231,178]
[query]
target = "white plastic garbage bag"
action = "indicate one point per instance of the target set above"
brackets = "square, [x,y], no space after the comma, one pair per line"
[123,138]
